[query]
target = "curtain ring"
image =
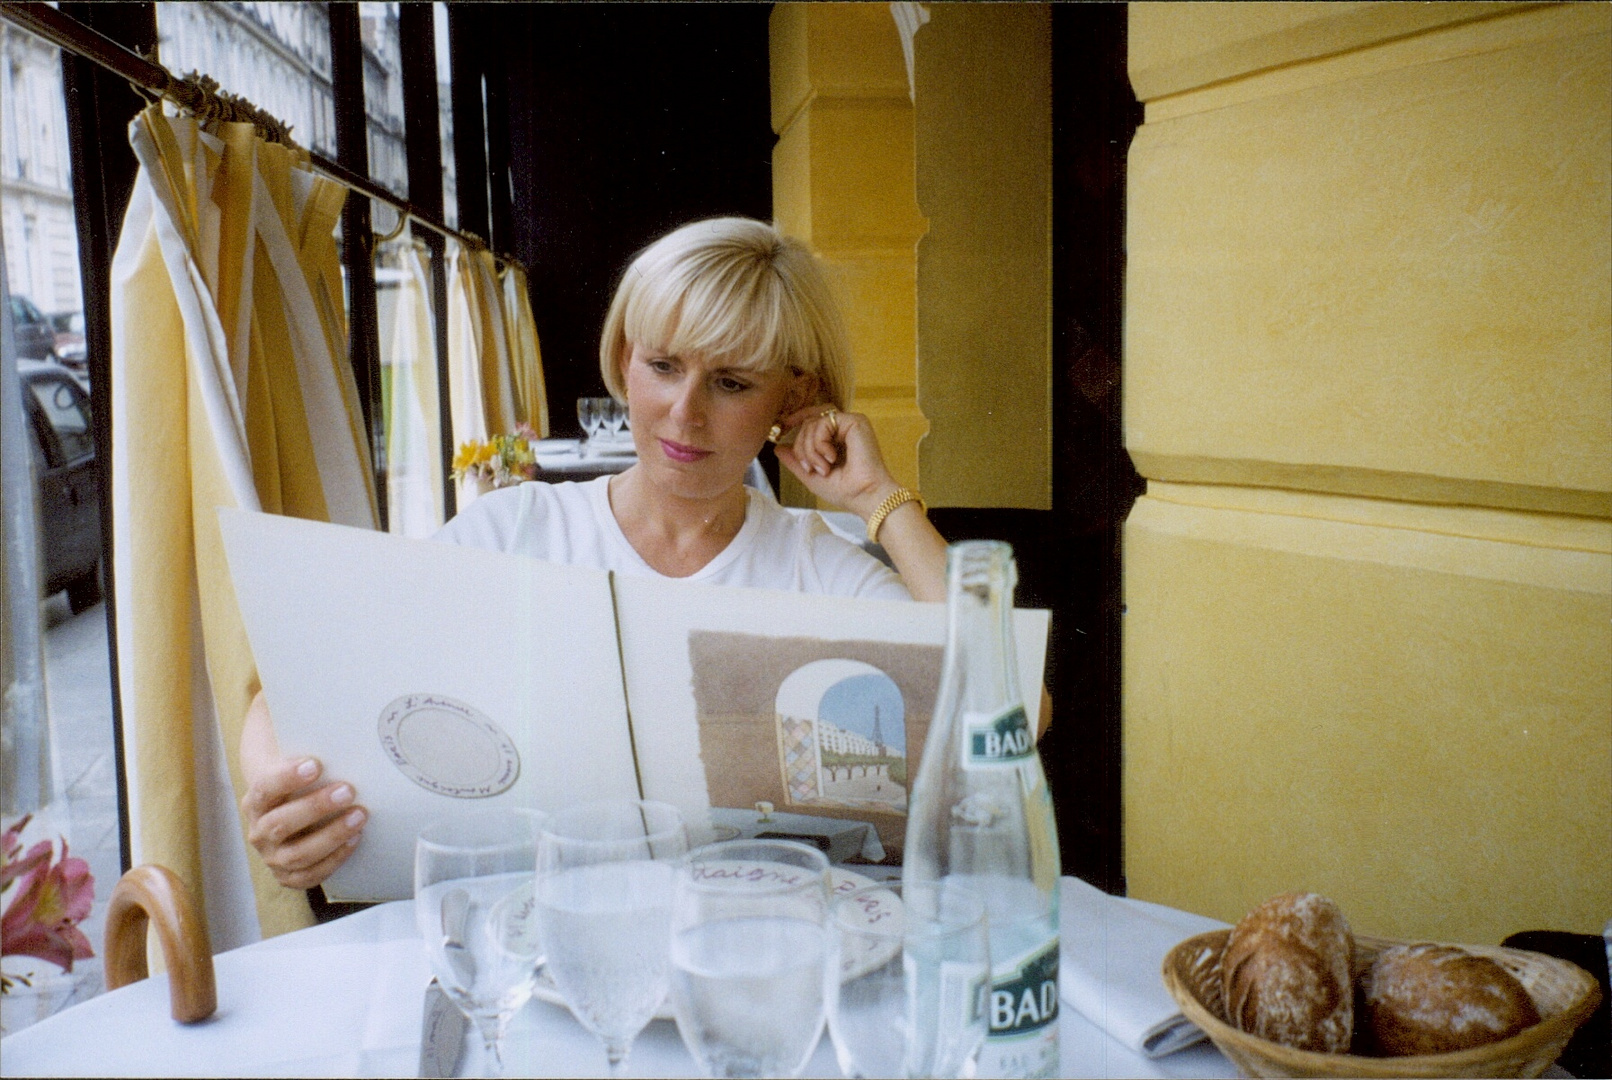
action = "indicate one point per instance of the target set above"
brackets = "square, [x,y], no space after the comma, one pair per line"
[402,220]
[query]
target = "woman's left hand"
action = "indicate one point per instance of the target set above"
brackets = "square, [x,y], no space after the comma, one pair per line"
[836,455]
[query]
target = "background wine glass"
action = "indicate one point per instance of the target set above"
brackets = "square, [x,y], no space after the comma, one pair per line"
[907,979]
[605,875]
[615,418]
[588,417]
[473,906]
[747,956]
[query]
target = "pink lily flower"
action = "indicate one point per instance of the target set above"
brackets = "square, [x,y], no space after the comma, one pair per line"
[12,867]
[42,919]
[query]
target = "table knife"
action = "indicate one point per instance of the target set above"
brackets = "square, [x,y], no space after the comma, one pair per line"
[442,1034]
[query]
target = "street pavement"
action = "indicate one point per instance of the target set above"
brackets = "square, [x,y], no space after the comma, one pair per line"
[78,689]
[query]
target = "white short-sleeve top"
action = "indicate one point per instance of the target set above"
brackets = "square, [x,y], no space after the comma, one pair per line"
[572,523]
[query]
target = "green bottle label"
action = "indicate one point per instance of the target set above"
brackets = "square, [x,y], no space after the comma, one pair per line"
[1026,998]
[1001,739]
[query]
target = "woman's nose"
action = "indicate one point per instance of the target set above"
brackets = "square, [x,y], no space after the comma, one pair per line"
[689,405]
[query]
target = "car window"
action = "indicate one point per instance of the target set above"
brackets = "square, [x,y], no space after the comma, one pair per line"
[68,413]
[23,310]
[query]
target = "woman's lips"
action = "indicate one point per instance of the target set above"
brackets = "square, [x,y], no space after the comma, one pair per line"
[685,454]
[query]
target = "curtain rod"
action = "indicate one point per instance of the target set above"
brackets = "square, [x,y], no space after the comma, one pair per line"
[68,33]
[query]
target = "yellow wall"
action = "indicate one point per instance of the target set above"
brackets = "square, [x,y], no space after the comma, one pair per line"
[984,170]
[843,183]
[1368,640]
[934,222]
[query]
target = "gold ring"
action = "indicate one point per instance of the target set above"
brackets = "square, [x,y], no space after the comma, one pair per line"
[833,422]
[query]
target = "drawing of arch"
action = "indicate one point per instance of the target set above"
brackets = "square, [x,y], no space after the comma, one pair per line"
[842,735]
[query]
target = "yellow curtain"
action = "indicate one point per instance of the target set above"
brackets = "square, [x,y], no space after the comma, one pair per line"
[478,349]
[230,387]
[413,430]
[525,357]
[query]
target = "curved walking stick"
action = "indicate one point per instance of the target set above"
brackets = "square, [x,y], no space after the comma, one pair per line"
[154,894]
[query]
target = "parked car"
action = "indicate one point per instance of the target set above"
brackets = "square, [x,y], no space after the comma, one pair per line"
[69,482]
[36,339]
[67,328]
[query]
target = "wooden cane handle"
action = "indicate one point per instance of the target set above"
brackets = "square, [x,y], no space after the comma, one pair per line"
[154,894]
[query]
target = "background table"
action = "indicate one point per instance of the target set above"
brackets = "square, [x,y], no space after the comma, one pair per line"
[345,999]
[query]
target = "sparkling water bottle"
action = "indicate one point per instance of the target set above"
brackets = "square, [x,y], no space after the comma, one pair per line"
[980,812]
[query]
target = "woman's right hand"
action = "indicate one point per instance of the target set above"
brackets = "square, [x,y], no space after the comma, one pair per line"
[302,827]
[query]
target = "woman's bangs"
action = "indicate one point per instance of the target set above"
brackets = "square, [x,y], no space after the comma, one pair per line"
[713,319]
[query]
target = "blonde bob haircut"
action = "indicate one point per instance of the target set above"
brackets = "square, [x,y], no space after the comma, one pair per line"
[733,291]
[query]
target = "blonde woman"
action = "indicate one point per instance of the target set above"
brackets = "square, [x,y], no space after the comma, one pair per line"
[721,334]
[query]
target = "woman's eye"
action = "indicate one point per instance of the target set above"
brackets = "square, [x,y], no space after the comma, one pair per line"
[662,366]
[732,386]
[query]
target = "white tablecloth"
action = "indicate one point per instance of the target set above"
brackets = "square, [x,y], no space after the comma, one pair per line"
[345,999]
[846,839]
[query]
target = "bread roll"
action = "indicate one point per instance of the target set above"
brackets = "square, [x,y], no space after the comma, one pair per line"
[1287,973]
[1432,999]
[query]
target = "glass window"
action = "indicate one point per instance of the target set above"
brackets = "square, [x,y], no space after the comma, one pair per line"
[68,412]
[450,190]
[383,99]
[276,55]
[59,744]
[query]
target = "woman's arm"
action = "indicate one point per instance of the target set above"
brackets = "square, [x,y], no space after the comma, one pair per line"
[301,827]
[839,462]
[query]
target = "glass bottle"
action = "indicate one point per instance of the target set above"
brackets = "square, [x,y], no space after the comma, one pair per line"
[980,812]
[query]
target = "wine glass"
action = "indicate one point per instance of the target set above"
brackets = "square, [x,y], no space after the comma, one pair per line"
[605,874]
[473,905]
[588,417]
[615,418]
[907,978]
[748,951]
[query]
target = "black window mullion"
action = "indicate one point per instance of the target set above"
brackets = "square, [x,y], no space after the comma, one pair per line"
[422,140]
[358,240]
[501,209]
[467,27]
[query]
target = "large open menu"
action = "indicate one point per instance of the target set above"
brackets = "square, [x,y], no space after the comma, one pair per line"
[437,678]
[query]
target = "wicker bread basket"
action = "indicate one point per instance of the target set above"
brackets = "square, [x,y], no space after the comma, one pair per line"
[1564,994]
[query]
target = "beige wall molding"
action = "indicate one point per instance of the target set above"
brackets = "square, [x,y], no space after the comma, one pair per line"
[1176,47]
[1397,284]
[1368,376]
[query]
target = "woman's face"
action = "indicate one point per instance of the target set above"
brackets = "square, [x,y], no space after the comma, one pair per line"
[697,425]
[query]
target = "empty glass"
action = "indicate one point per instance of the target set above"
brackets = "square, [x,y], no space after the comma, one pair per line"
[592,413]
[473,905]
[907,979]
[615,419]
[605,875]
[748,951]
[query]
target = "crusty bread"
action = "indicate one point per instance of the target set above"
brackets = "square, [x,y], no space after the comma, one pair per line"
[1432,999]
[1287,973]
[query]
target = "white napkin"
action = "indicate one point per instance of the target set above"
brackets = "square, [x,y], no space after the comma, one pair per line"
[1112,951]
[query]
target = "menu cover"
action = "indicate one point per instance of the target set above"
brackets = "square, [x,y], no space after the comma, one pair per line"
[436,678]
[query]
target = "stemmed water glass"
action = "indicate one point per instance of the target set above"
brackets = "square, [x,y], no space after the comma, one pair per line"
[615,418]
[907,978]
[748,951]
[605,875]
[473,905]
[592,413]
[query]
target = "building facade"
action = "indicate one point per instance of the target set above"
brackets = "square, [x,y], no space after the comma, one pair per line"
[277,55]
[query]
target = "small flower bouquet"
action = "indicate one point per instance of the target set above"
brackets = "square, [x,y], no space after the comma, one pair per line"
[52,898]
[501,461]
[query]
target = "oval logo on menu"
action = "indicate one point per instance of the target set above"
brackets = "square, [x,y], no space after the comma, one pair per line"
[448,747]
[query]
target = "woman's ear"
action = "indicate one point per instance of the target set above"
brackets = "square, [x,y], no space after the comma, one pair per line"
[805,389]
